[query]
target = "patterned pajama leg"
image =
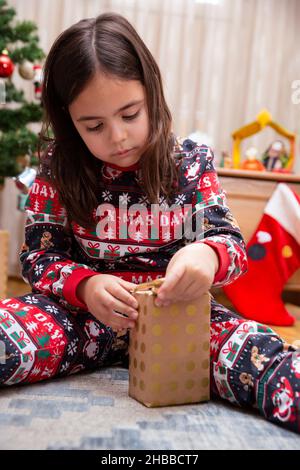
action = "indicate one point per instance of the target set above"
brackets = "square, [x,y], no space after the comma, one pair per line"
[40,339]
[252,366]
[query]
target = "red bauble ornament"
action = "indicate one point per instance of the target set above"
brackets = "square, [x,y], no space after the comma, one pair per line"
[6,65]
[37,80]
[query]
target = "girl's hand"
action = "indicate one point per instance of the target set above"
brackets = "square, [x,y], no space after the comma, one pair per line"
[189,274]
[105,295]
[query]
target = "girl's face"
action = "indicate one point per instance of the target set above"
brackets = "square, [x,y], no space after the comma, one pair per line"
[111,117]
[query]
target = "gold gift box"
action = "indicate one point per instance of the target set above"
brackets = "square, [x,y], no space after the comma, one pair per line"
[169,350]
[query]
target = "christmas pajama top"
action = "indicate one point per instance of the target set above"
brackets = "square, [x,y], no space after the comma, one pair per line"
[59,253]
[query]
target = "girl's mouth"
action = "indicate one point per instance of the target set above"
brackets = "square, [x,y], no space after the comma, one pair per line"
[124,152]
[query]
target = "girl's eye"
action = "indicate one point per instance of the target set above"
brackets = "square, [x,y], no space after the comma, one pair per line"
[128,118]
[132,116]
[93,129]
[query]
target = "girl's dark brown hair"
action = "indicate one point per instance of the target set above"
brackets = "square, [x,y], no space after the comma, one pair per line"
[109,44]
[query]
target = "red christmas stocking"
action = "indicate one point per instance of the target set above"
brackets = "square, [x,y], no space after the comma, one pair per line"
[273,256]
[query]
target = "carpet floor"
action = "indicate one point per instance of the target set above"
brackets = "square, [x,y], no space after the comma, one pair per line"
[92,410]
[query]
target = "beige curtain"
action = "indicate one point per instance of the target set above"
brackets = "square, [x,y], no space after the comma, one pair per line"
[222,61]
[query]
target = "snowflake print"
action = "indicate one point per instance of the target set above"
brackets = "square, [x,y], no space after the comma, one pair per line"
[31,300]
[107,196]
[96,267]
[143,200]
[180,199]
[67,324]
[111,265]
[124,198]
[163,203]
[54,258]
[38,269]
[51,309]
[72,348]
[65,367]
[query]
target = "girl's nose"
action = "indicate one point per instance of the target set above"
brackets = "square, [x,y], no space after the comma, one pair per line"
[118,134]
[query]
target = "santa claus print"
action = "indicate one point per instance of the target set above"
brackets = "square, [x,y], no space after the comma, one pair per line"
[192,171]
[296,364]
[91,349]
[110,174]
[92,329]
[283,399]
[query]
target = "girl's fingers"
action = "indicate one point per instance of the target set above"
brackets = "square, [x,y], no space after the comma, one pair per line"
[181,292]
[127,284]
[110,302]
[194,291]
[176,294]
[130,299]
[120,322]
[120,293]
[171,282]
[113,319]
[170,285]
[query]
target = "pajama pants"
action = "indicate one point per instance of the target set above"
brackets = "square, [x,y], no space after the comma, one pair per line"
[251,365]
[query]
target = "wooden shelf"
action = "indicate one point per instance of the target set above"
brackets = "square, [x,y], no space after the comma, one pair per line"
[259,175]
[247,194]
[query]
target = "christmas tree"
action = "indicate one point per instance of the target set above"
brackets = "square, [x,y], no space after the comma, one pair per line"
[18,45]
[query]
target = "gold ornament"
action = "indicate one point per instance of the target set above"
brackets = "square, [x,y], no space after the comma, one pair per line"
[26,70]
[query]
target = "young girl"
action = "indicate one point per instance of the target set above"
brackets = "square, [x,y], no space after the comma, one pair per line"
[113,148]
